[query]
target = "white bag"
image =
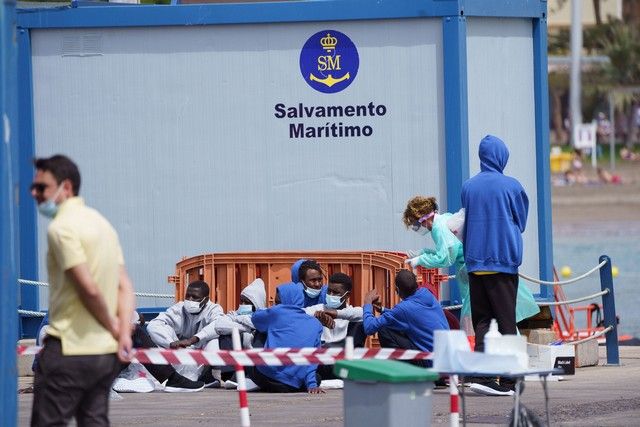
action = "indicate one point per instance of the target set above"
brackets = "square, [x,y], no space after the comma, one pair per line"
[456,224]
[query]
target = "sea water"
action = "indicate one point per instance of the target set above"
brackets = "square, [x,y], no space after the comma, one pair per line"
[579,246]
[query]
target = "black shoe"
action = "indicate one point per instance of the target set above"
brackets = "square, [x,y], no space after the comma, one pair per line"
[179,384]
[441,383]
[511,384]
[491,388]
[209,379]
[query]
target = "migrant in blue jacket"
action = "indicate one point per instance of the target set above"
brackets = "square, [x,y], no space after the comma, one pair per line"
[292,293]
[289,326]
[496,208]
[417,316]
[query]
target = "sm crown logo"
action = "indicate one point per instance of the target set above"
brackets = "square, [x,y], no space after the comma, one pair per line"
[329,61]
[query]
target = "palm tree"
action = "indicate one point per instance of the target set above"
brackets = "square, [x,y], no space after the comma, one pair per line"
[621,43]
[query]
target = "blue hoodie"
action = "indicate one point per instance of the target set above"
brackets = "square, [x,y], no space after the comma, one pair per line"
[292,293]
[496,209]
[289,326]
[417,316]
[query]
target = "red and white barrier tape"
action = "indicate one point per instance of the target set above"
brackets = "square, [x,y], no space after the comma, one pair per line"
[269,357]
[454,411]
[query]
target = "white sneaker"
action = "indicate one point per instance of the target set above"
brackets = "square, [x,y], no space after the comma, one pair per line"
[230,385]
[139,385]
[491,389]
[332,384]
[251,386]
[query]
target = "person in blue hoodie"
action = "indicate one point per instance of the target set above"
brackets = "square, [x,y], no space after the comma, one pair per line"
[496,208]
[410,324]
[306,288]
[287,326]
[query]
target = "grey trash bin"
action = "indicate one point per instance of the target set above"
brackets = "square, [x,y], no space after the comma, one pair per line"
[386,393]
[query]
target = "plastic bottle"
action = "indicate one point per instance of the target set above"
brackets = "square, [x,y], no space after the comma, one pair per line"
[492,338]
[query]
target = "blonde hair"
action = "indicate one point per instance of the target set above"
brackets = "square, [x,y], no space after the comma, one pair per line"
[418,207]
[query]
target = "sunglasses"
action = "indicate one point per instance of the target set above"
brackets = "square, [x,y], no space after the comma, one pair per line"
[38,187]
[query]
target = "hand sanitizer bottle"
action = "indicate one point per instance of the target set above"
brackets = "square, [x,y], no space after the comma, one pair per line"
[492,339]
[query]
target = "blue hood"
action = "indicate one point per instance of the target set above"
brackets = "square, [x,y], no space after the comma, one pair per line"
[291,294]
[295,269]
[493,154]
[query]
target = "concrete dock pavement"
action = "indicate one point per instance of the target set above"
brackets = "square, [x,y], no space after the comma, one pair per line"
[598,396]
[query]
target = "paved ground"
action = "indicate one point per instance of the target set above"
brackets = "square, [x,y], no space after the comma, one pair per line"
[602,396]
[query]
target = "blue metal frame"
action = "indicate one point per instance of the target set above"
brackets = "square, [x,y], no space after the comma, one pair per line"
[506,9]
[9,253]
[289,11]
[609,310]
[456,124]
[29,295]
[543,168]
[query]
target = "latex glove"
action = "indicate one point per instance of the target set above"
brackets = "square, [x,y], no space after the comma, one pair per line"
[413,253]
[413,262]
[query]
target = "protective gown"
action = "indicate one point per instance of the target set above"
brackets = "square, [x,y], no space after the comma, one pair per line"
[448,252]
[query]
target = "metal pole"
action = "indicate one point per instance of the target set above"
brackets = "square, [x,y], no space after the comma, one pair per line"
[609,308]
[8,215]
[576,53]
[612,134]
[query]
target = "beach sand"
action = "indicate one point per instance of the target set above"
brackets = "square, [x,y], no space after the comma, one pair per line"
[595,202]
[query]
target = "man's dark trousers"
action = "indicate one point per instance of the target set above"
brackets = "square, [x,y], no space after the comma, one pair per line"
[493,296]
[72,386]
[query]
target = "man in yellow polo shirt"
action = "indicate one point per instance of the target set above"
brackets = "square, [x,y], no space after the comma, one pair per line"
[90,303]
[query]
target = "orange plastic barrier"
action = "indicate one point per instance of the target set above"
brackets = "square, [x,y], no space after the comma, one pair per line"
[229,273]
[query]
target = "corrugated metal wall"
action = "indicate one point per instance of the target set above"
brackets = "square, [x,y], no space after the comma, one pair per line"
[175,134]
[501,102]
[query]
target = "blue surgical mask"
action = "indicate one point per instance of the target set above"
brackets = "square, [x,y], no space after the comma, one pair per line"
[245,309]
[49,208]
[311,293]
[334,301]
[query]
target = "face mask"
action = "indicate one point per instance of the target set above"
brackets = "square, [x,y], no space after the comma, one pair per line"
[193,307]
[49,208]
[245,309]
[311,293]
[334,301]
[423,231]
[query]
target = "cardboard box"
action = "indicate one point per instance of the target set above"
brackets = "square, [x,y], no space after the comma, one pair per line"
[545,357]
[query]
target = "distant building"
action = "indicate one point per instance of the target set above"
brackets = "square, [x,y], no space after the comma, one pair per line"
[560,12]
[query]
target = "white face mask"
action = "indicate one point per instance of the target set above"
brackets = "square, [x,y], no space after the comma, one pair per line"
[423,231]
[193,307]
